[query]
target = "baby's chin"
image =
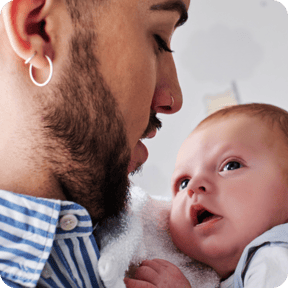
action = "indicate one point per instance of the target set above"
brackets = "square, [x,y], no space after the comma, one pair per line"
[223,264]
[220,259]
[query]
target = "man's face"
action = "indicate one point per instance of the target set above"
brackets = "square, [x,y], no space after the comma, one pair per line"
[116,78]
[228,189]
[140,76]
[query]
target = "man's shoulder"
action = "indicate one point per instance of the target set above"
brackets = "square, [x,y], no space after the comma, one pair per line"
[27,229]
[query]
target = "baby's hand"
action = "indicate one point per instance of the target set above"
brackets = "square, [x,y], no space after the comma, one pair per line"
[157,273]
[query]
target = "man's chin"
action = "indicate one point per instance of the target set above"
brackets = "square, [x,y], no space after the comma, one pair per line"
[136,169]
[138,157]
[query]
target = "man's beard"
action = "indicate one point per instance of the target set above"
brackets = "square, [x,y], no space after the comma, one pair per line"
[86,137]
[86,143]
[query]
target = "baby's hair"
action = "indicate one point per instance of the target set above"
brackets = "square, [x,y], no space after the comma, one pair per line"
[271,114]
[273,117]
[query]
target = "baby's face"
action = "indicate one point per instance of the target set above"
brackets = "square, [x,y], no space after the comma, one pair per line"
[228,188]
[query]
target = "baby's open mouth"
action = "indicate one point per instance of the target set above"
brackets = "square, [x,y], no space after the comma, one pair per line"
[201,215]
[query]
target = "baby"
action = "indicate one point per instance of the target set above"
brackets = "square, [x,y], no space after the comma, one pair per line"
[230,200]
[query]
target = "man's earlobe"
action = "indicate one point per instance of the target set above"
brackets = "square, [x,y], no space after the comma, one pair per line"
[25,24]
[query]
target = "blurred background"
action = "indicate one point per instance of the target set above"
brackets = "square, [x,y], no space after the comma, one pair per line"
[229,51]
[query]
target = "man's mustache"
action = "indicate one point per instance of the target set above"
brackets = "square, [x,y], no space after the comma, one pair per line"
[154,123]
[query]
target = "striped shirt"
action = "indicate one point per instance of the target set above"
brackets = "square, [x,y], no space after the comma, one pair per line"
[46,243]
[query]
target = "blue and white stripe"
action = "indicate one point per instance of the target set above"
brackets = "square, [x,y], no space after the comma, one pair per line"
[34,249]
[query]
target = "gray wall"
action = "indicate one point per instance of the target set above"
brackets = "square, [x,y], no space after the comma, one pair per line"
[224,41]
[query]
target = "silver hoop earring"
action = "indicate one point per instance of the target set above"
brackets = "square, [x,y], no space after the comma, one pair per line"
[28,60]
[31,75]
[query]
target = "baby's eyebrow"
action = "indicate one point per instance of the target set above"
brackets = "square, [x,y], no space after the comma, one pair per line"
[173,5]
[176,173]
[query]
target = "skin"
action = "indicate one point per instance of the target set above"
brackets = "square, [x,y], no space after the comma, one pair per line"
[248,200]
[78,137]
[157,273]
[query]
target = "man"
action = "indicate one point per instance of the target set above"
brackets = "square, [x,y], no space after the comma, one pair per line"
[81,82]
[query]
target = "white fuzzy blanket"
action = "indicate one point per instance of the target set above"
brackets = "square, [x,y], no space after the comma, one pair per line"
[142,233]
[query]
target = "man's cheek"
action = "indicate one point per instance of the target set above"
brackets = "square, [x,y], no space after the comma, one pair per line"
[2,4]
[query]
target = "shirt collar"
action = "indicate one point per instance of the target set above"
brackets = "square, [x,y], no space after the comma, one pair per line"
[50,211]
[28,228]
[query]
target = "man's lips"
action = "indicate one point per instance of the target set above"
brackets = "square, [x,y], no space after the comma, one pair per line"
[140,153]
[200,215]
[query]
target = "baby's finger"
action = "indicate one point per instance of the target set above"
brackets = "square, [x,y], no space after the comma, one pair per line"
[132,283]
[162,262]
[166,266]
[169,275]
[146,273]
[156,266]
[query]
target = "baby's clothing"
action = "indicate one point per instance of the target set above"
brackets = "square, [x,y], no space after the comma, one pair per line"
[264,262]
[228,283]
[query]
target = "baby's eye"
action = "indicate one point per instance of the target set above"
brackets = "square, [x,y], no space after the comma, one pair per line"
[183,184]
[232,165]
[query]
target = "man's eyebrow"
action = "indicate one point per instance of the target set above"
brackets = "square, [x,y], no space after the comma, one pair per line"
[173,5]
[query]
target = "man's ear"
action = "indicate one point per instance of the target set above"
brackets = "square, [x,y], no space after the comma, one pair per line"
[26,26]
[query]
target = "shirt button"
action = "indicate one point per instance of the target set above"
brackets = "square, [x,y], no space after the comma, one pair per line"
[68,222]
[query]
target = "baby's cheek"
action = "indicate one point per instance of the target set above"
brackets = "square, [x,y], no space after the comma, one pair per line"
[181,229]
[176,225]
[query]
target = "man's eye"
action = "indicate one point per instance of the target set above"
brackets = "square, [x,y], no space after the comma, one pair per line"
[183,184]
[162,45]
[232,165]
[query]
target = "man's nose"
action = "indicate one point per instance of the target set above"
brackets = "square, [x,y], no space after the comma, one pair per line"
[168,95]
